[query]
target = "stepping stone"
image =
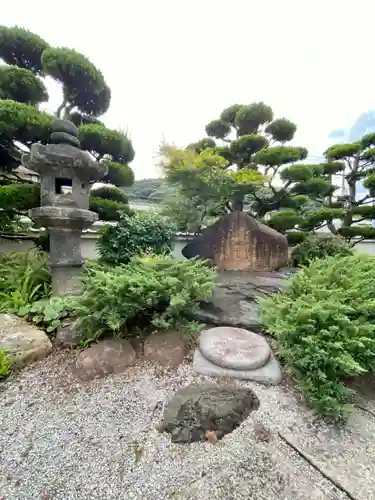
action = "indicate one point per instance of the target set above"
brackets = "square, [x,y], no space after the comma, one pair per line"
[269,374]
[234,348]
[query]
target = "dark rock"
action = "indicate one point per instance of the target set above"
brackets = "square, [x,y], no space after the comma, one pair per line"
[64,126]
[64,138]
[233,302]
[67,336]
[237,242]
[195,410]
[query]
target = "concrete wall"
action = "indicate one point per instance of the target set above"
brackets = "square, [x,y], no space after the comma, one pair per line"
[88,246]
[89,250]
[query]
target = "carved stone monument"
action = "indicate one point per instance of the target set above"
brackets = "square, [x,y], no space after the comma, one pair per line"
[237,242]
[66,174]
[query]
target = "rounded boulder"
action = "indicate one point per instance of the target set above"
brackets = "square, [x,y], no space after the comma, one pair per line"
[166,348]
[109,356]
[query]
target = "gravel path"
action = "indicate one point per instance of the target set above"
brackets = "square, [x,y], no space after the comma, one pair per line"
[64,440]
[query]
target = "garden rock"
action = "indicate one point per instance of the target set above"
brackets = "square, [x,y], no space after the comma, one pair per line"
[166,348]
[67,336]
[234,348]
[233,302]
[239,242]
[106,357]
[269,374]
[197,411]
[238,353]
[23,341]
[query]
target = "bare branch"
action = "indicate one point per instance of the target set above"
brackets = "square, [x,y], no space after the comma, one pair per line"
[61,107]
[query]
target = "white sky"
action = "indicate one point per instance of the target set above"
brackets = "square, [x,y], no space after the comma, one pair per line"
[173,65]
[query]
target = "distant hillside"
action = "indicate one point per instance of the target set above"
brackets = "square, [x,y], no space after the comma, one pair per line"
[149,190]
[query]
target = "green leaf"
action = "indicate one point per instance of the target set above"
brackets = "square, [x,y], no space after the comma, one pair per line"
[23,311]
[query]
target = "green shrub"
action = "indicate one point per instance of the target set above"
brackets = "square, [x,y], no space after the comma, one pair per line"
[134,235]
[19,196]
[324,323]
[24,278]
[6,362]
[150,291]
[315,246]
[9,223]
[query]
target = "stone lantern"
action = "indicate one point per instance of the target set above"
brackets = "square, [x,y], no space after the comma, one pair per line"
[66,174]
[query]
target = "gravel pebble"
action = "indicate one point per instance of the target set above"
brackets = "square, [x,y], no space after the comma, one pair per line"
[61,439]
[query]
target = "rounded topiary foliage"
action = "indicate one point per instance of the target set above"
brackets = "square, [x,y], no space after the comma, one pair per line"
[108,210]
[134,235]
[109,193]
[319,247]
[295,237]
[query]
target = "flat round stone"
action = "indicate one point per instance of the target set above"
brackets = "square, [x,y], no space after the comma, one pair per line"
[234,348]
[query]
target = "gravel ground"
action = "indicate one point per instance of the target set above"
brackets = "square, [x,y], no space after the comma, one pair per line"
[64,440]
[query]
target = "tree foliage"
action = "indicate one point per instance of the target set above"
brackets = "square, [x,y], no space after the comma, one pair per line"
[189,214]
[83,84]
[108,210]
[19,47]
[204,179]
[23,123]
[150,190]
[339,206]
[21,85]
[115,150]
[109,193]
[295,197]
[85,96]
[109,202]
[250,140]
[103,142]
[350,210]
